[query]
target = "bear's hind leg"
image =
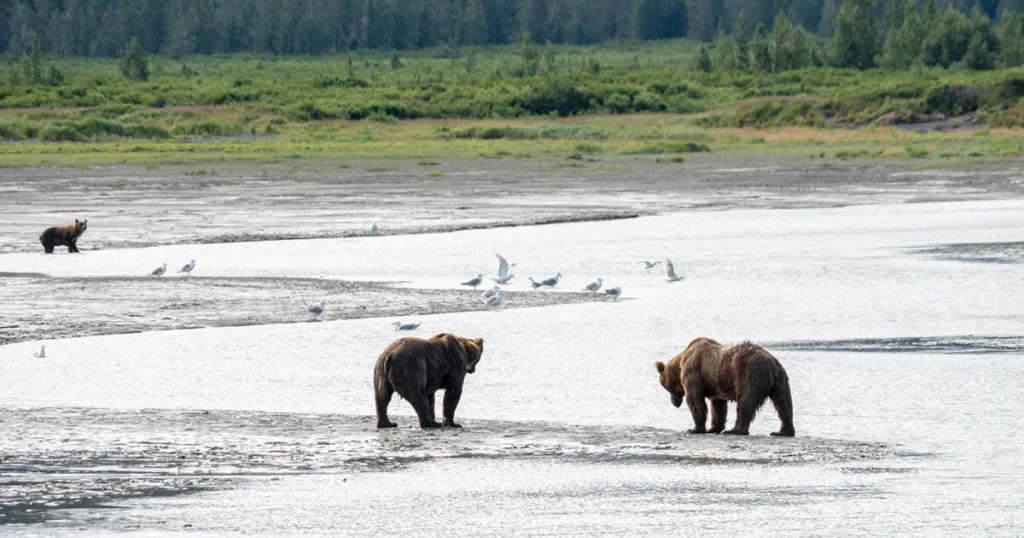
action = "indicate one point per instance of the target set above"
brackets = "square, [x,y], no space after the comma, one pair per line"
[719,412]
[784,407]
[746,409]
[383,397]
[419,402]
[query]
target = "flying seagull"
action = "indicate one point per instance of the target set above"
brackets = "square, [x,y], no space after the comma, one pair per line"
[41,353]
[670,272]
[399,326]
[475,281]
[595,285]
[613,292]
[503,267]
[649,265]
[159,271]
[316,310]
[187,268]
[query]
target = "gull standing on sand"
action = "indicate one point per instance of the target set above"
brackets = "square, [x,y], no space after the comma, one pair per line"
[649,265]
[399,326]
[491,292]
[595,285]
[503,267]
[373,229]
[188,267]
[41,353]
[670,272]
[316,310]
[613,292]
[495,300]
[474,281]
[551,282]
[159,271]
[535,284]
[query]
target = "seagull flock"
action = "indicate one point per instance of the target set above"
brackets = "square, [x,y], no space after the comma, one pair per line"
[187,269]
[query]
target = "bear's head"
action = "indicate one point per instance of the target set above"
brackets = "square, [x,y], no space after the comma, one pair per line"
[474,349]
[80,226]
[669,376]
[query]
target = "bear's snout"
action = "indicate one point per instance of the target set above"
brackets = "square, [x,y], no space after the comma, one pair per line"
[677,400]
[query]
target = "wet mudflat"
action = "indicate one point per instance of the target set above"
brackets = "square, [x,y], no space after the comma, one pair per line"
[904,370]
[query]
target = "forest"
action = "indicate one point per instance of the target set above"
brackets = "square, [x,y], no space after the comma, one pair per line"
[102,28]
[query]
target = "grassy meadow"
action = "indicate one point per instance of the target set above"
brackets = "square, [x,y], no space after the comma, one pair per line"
[582,103]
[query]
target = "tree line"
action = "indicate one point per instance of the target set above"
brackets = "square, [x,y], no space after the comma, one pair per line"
[767,35]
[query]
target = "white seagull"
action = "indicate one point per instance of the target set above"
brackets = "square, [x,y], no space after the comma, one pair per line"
[491,292]
[317,309]
[159,271]
[670,272]
[613,292]
[595,285]
[41,353]
[495,300]
[649,265]
[187,268]
[474,281]
[399,326]
[373,229]
[503,267]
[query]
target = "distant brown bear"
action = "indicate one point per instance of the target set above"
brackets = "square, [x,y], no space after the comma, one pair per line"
[745,373]
[63,236]
[417,368]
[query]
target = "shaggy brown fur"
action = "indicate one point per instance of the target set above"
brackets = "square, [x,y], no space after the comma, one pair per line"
[417,368]
[745,373]
[63,236]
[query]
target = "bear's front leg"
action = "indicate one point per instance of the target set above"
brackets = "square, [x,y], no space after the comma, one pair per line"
[451,401]
[699,410]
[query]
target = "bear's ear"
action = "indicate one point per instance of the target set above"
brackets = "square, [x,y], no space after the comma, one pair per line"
[479,342]
[76,222]
[660,366]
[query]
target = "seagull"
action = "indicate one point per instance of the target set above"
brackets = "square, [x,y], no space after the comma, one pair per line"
[41,353]
[535,284]
[613,292]
[495,300]
[159,271]
[491,292]
[399,326]
[316,310]
[187,268]
[595,285]
[649,265]
[373,229]
[475,281]
[551,282]
[503,267]
[670,272]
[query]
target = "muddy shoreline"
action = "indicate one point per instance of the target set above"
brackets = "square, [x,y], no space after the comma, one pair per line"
[132,206]
[38,307]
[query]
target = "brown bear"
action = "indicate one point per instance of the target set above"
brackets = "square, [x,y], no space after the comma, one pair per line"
[745,373]
[417,368]
[63,236]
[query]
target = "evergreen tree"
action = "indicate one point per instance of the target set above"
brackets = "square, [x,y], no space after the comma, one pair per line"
[739,33]
[1011,39]
[855,42]
[134,64]
[35,62]
[762,51]
[704,59]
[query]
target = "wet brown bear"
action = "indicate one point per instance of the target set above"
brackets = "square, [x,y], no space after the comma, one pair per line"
[745,373]
[63,236]
[417,368]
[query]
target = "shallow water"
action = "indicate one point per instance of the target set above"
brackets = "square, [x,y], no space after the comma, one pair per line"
[904,370]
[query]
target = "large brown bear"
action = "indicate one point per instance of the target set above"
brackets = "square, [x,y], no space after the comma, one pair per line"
[745,373]
[63,236]
[417,368]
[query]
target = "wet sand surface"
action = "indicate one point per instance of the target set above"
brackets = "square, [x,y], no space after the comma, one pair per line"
[904,365]
[135,207]
[38,307]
